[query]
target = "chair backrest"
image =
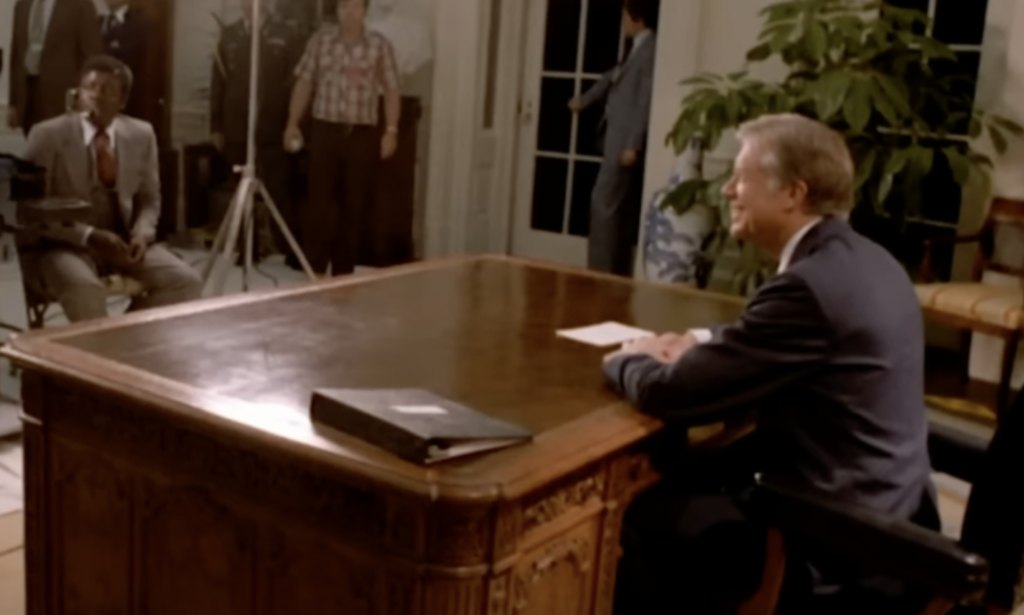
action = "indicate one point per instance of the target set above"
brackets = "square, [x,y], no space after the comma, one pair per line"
[994,520]
[1002,241]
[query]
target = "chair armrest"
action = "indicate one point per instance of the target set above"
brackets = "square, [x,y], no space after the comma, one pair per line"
[956,452]
[874,543]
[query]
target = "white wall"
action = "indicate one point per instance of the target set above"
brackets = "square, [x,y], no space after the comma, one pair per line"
[696,36]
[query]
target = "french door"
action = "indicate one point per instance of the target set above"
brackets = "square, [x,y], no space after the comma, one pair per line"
[569,44]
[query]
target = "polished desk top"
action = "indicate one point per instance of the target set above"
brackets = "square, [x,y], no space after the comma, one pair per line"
[480,331]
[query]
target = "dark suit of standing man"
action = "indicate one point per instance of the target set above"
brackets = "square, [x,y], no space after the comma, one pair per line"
[626,94]
[126,34]
[50,43]
[830,353]
[229,108]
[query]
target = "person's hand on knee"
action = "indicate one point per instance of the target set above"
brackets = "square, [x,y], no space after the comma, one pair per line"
[137,249]
[111,248]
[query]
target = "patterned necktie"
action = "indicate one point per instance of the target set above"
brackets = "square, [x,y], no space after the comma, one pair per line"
[106,163]
[36,36]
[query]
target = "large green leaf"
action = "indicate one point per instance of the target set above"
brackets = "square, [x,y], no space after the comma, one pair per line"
[772,32]
[857,106]
[959,163]
[684,196]
[934,49]
[816,41]
[881,102]
[976,128]
[1009,125]
[921,160]
[829,92]
[759,53]
[897,161]
[884,188]
[865,169]
[998,139]
[897,92]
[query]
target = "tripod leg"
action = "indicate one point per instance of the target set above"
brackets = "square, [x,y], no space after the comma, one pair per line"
[281,224]
[239,204]
[249,225]
[218,243]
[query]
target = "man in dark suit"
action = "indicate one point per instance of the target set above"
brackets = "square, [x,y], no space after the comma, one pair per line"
[281,47]
[50,42]
[126,34]
[625,92]
[830,354]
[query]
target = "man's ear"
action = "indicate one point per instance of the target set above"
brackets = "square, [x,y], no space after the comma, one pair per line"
[798,192]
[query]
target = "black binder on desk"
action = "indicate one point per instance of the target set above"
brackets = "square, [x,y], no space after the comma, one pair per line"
[414,424]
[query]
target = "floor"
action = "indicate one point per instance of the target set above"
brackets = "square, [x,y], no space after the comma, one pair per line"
[271,273]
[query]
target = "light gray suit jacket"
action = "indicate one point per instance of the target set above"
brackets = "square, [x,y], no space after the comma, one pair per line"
[627,92]
[59,146]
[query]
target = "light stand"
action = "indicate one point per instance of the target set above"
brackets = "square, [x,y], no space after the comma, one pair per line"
[240,214]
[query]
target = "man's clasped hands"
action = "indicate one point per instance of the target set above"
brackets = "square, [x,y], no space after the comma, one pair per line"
[666,348]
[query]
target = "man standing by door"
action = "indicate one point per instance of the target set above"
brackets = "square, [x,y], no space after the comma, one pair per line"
[280,47]
[126,35]
[626,94]
[344,72]
[50,42]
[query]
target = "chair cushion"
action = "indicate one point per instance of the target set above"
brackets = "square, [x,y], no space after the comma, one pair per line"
[1002,306]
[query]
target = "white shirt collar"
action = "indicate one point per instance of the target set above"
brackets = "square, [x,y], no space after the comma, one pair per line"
[89,131]
[794,241]
[640,39]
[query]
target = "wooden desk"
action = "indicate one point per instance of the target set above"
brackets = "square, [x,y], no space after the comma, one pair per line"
[170,469]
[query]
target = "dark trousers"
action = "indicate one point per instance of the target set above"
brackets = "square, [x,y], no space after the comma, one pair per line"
[343,162]
[693,545]
[689,545]
[273,168]
[615,217]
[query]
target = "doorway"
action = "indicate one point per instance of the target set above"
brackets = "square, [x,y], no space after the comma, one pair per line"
[569,45]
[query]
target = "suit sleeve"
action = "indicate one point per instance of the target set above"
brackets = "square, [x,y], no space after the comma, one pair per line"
[781,338]
[147,200]
[641,118]
[42,150]
[597,92]
[90,37]
[217,76]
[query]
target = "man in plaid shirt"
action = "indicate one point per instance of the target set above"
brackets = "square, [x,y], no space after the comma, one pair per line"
[343,73]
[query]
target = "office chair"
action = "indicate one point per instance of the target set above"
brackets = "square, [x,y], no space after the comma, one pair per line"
[981,573]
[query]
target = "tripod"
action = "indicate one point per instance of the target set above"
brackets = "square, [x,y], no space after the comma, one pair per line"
[240,216]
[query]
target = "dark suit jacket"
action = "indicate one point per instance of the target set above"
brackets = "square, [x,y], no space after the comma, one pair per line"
[73,35]
[128,42]
[831,354]
[229,90]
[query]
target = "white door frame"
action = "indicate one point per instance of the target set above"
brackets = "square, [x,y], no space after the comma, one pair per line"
[524,240]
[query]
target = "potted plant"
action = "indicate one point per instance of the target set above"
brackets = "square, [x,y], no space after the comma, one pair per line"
[872,72]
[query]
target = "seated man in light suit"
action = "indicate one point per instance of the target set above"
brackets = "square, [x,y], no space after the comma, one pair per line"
[97,155]
[829,353]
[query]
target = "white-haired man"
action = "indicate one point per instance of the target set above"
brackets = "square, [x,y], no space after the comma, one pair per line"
[830,354]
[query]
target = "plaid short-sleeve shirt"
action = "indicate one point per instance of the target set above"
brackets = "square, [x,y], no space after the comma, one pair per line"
[348,80]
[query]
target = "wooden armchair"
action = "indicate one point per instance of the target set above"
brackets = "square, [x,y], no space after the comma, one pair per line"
[975,306]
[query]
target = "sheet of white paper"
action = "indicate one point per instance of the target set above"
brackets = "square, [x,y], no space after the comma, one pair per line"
[604,334]
[419,409]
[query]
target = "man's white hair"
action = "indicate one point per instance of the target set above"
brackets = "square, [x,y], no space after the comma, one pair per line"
[797,148]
